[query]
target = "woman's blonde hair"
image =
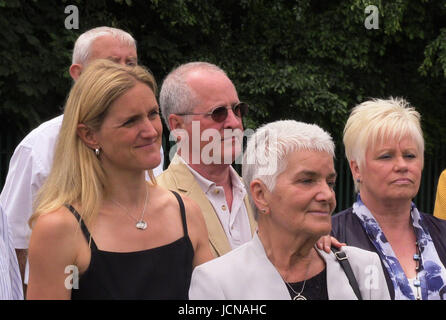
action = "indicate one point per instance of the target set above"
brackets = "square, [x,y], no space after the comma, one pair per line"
[377,120]
[77,174]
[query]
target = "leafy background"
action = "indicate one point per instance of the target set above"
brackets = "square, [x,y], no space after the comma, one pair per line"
[306,60]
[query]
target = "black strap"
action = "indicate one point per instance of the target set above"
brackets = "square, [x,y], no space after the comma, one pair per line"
[83,226]
[182,210]
[342,258]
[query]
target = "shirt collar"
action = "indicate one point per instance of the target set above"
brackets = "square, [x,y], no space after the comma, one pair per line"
[206,185]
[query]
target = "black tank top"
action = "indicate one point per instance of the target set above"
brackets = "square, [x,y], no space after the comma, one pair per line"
[158,273]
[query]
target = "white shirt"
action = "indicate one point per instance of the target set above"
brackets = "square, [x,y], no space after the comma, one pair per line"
[235,222]
[29,167]
[10,279]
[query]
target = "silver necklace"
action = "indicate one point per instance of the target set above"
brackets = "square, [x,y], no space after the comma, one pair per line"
[298,295]
[140,224]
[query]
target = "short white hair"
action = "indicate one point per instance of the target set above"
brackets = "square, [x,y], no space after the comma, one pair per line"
[82,46]
[267,150]
[376,120]
[176,96]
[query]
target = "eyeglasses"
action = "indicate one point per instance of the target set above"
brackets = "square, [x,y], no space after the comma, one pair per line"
[220,113]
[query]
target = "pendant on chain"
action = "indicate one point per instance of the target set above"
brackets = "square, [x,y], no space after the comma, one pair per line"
[141,225]
[299,297]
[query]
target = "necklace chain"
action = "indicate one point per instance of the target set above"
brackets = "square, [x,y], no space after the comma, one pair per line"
[298,295]
[140,224]
[417,282]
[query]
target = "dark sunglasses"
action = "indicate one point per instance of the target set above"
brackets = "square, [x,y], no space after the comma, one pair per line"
[219,114]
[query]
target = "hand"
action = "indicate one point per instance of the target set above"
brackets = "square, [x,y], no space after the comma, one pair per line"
[325,243]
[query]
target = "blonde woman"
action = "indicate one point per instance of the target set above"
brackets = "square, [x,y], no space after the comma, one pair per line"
[100,231]
[384,146]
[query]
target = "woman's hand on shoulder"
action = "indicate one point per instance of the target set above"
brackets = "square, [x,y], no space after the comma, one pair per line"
[326,242]
[198,232]
[52,248]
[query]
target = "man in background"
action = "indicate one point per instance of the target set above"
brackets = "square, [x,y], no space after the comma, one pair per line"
[197,100]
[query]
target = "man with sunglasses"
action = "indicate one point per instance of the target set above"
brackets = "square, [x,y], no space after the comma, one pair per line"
[201,107]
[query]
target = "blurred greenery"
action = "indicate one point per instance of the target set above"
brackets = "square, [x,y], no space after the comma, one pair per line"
[309,60]
[306,60]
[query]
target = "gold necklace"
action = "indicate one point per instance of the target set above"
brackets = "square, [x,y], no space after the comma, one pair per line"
[140,224]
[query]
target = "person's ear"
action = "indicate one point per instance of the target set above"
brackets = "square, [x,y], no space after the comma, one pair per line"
[75,71]
[354,167]
[87,136]
[260,195]
[176,122]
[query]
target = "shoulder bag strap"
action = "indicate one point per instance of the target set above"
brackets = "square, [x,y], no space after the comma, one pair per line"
[342,259]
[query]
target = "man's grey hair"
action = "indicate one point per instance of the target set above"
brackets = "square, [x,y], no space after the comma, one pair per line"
[267,150]
[176,96]
[82,46]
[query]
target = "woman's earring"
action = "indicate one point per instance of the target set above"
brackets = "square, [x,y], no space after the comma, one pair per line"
[358,180]
[97,151]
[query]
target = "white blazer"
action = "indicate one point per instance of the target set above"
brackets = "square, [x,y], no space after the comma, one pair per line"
[246,273]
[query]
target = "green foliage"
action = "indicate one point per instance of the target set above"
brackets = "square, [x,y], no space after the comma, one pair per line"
[306,60]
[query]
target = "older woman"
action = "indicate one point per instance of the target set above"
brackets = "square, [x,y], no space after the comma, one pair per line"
[100,231]
[384,146]
[288,167]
